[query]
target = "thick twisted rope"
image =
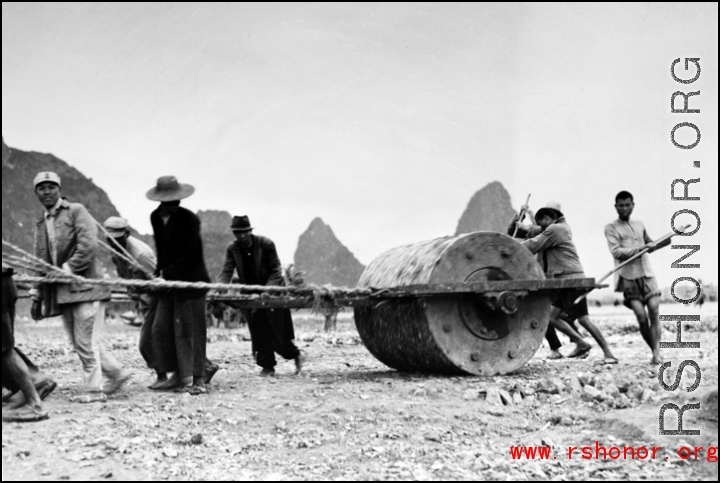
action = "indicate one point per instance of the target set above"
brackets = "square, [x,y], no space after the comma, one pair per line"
[123,252]
[19,263]
[48,266]
[64,278]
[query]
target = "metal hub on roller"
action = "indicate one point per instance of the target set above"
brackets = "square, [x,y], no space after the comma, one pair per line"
[481,314]
[484,333]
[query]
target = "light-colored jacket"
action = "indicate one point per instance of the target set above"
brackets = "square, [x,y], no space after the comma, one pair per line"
[76,244]
[554,249]
[626,239]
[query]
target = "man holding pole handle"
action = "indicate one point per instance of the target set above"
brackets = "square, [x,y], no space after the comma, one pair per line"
[628,239]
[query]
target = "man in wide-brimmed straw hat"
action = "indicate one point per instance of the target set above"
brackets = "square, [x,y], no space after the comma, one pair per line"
[66,237]
[180,330]
[551,240]
[256,262]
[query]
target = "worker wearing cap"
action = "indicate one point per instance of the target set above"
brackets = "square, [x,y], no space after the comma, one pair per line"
[551,240]
[143,266]
[255,260]
[66,237]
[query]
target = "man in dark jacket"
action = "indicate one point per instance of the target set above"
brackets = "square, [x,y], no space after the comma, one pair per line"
[66,237]
[256,262]
[180,330]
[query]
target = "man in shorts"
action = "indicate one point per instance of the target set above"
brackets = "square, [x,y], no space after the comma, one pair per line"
[626,238]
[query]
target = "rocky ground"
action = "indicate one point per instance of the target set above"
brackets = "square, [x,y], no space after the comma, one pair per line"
[350,418]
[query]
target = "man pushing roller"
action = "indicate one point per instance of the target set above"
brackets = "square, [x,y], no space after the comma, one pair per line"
[551,240]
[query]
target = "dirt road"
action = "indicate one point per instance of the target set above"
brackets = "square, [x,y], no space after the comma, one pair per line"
[348,417]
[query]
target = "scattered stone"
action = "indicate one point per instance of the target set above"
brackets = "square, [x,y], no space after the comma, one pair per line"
[591,394]
[492,396]
[420,392]
[647,396]
[549,386]
[170,452]
[470,395]
[709,406]
[517,398]
[611,391]
[197,439]
[433,437]
[505,397]
[623,402]
[518,388]
[603,380]
[584,379]
[574,386]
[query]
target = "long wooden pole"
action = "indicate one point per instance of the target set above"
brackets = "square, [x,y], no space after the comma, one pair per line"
[522,215]
[632,259]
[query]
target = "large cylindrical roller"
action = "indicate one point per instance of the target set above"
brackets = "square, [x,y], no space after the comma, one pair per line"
[457,333]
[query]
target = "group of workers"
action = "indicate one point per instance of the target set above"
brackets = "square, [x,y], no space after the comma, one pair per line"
[173,339]
[174,332]
[550,239]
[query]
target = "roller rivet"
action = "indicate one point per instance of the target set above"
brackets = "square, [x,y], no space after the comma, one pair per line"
[475,357]
[535,324]
[446,329]
[505,252]
[512,354]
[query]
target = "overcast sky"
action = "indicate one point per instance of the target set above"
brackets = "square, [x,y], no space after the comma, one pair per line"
[382,119]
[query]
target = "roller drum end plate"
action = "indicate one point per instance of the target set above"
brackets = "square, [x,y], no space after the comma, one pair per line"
[479,334]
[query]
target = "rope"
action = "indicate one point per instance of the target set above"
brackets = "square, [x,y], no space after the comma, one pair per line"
[129,260]
[124,255]
[177,285]
[43,263]
[21,264]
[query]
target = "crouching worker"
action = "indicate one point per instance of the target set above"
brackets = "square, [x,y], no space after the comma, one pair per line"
[16,375]
[551,240]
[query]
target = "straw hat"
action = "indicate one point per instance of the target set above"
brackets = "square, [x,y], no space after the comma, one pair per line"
[552,209]
[168,189]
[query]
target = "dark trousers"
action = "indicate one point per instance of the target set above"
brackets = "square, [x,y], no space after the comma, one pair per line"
[179,335]
[552,338]
[272,332]
[148,308]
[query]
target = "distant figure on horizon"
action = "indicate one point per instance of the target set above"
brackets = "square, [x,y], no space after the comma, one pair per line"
[636,281]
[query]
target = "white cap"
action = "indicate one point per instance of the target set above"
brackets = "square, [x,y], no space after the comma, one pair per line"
[116,226]
[47,177]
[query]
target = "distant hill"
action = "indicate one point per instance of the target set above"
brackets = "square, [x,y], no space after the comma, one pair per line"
[20,207]
[489,209]
[324,259]
[216,237]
